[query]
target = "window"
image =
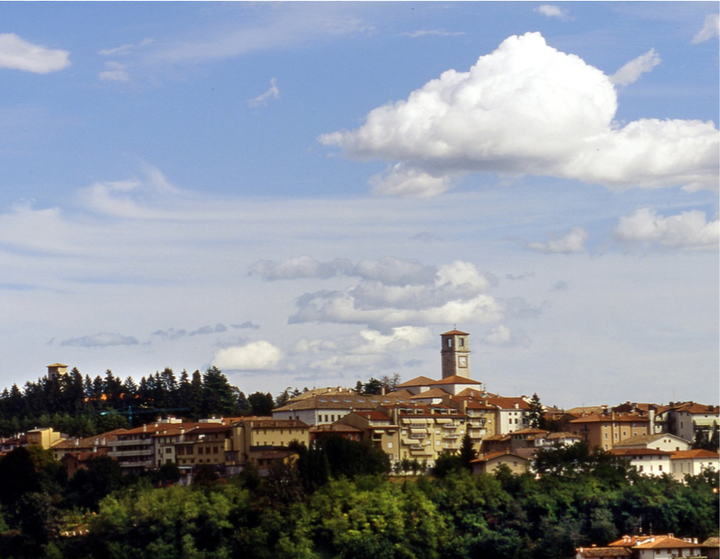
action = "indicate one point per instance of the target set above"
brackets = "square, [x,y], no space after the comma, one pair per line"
[660,468]
[462,343]
[449,342]
[389,445]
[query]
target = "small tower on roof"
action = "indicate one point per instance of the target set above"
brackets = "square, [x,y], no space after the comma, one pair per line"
[56,370]
[455,354]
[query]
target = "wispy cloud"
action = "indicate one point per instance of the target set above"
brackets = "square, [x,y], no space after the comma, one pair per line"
[262,100]
[573,242]
[18,54]
[632,71]
[502,336]
[710,29]
[104,339]
[432,32]
[550,10]
[114,72]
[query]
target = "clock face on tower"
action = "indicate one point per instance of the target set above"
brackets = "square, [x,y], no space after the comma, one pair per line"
[462,361]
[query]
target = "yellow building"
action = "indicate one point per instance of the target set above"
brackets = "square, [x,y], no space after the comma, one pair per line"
[607,429]
[44,437]
[254,437]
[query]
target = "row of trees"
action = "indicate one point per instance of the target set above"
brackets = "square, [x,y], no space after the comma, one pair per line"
[337,501]
[81,406]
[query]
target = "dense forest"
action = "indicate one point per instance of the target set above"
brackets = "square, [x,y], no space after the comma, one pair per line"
[338,501]
[81,406]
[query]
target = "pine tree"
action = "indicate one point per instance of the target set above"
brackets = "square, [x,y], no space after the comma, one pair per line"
[535,415]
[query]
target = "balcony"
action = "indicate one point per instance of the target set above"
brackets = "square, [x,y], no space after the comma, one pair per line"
[125,453]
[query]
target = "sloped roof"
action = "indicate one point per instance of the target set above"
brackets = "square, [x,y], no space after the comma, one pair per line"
[665,542]
[695,453]
[645,439]
[508,403]
[455,333]
[432,393]
[494,455]
[639,452]
[417,381]
[455,379]
[610,418]
[270,423]
[341,402]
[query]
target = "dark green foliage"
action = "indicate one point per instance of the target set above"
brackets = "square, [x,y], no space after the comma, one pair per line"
[261,404]
[88,486]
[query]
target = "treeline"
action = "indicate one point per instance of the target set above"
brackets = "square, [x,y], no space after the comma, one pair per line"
[352,510]
[81,406]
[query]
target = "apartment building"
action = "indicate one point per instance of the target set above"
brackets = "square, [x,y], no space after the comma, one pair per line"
[254,437]
[684,419]
[135,448]
[609,428]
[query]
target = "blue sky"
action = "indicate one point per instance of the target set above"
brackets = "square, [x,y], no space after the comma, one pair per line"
[308,194]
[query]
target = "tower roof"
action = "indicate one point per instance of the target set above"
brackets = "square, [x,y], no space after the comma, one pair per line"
[455,333]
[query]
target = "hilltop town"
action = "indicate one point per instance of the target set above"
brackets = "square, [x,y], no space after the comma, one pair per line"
[413,423]
[200,431]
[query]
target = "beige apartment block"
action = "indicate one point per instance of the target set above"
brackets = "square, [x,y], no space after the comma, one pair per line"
[254,437]
[607,429]
[378,427]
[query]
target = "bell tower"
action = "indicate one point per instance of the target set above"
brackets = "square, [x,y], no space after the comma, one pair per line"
[455,354]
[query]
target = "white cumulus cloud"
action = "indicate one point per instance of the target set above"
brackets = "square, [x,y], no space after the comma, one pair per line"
[689,230]
[18,54]
[527,108]
[255,356]
[631,72]
[710,29]
[573,242]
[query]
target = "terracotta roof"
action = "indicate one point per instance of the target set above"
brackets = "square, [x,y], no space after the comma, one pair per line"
[645,439]
[500,437]
[664,542]
[477,394]
[434,393]
[712,542]
[696,453]
[586,409]
[152,428]
[341,401]
[639,452]
[455,333]
[695,408]
[417,381]
[373,415]
[270,423]
[493,455]
[509,403]
[455,379]
[603,552]
[611,418]
[530,431]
